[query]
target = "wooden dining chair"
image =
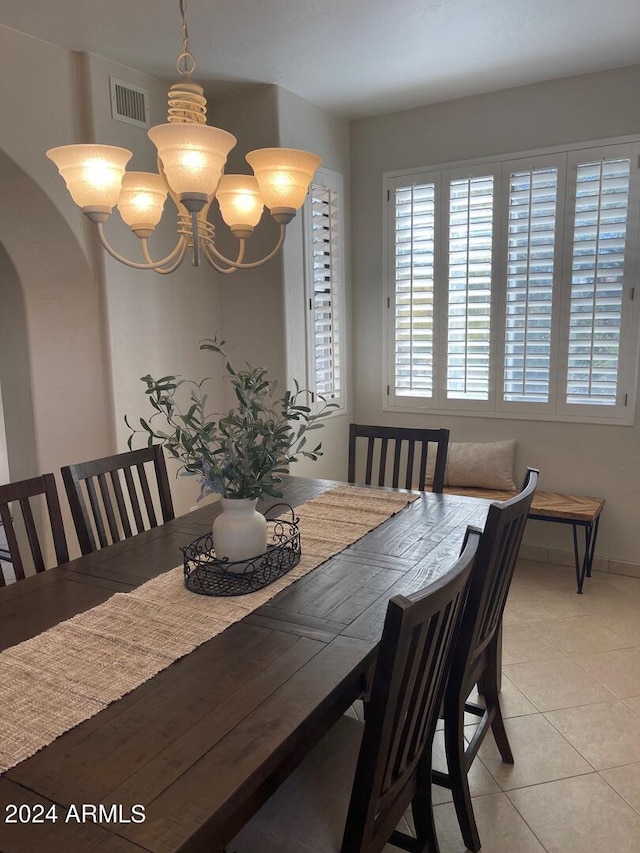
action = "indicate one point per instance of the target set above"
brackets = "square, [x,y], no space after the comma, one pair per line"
[415,467]
[352,790]
[106,496]
[476,656]
[20,498]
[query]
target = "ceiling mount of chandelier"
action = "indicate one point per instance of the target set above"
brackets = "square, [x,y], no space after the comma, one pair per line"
[191,159]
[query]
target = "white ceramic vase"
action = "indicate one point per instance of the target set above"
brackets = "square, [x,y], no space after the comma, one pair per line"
[239,532]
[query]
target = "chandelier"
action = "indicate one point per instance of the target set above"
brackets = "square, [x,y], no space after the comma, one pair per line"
[191,158]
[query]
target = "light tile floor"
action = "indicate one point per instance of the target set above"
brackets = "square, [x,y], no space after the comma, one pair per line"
[571,696]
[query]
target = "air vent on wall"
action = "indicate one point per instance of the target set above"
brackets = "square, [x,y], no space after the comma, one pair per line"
[129,103]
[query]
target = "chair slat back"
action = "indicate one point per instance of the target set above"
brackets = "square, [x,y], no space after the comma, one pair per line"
[19,497]
[406,443]
[406,696]
[146,493]
[497,555]
[111,502]
[122,507]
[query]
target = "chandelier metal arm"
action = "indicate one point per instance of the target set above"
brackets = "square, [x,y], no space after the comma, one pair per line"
[196,238]
[238,264]
[212,261]
[164,270]
[179,249]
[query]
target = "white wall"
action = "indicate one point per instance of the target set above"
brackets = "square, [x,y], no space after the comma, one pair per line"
[579,458]
[262,310]
[251,301]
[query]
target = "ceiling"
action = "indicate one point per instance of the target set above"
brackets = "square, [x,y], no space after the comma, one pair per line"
[351,57]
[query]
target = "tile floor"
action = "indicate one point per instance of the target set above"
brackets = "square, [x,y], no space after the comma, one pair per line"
[571,696]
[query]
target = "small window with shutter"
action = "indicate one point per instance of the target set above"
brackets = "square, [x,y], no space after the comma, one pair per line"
[325,285]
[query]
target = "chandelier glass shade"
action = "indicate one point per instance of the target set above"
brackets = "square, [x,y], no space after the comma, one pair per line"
[191,156]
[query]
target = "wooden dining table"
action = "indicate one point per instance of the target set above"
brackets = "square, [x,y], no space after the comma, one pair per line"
[199,747]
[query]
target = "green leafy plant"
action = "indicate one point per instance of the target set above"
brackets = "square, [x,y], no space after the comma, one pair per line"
[240,454]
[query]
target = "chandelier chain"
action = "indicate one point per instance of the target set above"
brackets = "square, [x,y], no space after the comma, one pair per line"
[186,63]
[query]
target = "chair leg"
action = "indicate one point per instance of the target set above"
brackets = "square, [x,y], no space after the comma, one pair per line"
[422,810]
[496,655]
[457,766]
[492,698]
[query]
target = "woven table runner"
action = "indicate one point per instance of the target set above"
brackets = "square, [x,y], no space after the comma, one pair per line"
[58,679]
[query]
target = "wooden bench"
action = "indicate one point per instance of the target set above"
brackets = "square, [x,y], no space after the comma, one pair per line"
[576,510]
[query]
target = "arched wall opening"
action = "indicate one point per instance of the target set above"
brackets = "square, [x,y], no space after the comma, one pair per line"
[54,379]
[18,447]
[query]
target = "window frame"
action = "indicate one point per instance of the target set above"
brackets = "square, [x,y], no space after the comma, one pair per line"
[556,409]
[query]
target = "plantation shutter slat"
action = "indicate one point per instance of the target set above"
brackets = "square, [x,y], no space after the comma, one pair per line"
[414,287]
[597,278]
[531,235]
[470,258]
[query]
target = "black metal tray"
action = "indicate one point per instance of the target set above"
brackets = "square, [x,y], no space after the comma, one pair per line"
[206,575]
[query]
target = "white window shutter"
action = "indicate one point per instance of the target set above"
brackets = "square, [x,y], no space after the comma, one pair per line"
[325,284]
[413,264]
[511,286]
[597,282]
[529,298]
[470,266]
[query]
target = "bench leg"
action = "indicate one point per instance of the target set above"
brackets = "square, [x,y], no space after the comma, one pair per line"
[594,536]
[583,567]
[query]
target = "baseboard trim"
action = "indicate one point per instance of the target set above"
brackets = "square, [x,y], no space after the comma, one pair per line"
[565,558]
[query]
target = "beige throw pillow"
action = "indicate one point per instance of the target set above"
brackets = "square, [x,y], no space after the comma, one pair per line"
[481,465]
